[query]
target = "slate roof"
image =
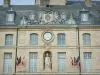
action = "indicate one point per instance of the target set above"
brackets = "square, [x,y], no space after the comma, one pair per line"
[71,8]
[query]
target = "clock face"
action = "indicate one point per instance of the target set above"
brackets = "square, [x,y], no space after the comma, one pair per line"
[47,36]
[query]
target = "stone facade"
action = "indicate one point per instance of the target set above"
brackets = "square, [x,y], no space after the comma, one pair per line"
[23,47]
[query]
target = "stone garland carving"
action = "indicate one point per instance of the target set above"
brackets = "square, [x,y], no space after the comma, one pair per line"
[45,17]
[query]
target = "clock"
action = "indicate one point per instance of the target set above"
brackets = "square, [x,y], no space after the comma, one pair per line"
[47,36]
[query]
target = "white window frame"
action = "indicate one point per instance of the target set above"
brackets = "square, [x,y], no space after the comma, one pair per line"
[33,67]
[7,63]
[62,59]
[87,61]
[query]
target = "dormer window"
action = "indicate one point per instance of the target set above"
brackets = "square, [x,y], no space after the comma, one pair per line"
[84,14]
[10,16]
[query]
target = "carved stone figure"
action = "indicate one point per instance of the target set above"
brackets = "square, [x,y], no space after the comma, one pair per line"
[56,18]
[63,16]
[32,16]
[23,21]
[71,20]
[56,15]
[47,62]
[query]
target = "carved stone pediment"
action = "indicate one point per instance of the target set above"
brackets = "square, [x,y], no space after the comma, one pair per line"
[47,17]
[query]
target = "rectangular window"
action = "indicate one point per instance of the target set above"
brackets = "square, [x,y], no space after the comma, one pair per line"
[86,39]
[61,39]
[87,62]
[33,60]
[9,40]
[8,62]
[62,62]
[33,39]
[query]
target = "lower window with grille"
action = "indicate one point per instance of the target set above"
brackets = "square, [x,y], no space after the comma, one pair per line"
[8,62]
[61,62]
[87,62]
[33,58]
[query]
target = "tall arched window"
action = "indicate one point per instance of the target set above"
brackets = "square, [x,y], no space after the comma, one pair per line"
[33,39]
[86,39]
[9,39]
[61,39]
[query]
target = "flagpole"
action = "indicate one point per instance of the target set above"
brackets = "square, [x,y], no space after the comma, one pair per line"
[79,49]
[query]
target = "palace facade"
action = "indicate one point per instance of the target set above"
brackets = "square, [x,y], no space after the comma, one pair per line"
[51,37]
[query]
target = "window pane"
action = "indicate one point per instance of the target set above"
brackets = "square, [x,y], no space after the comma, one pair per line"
[86,39]
[34,39]
[10,17]
[8,62]
[61,39]
[9,40]
[62,62]
[87,62]
[33,62]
